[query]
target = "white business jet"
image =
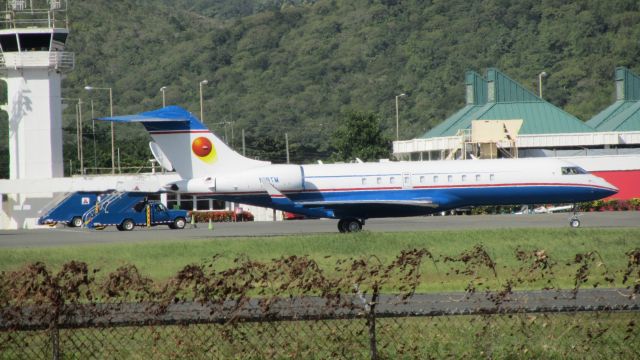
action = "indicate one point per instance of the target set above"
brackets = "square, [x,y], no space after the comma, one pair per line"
[355,192]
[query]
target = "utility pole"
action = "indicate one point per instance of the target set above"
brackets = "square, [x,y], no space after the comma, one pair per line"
[244,153]
[286,141]
[81,132]
[77,134]
[398,117]
[203,82]
[93,129]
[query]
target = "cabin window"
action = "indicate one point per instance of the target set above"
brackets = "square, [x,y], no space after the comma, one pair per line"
[573,170]
[379,180]
[450,178]
[464,178]
[435,179]
[492,177]
[364,181]
[392,180]
[421,179]
[477,177]
[407,180]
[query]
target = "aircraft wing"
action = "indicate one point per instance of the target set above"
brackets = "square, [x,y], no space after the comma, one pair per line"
[418,202]
[342,208]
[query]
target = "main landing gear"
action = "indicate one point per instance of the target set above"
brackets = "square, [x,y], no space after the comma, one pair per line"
[350,225]
[574,222]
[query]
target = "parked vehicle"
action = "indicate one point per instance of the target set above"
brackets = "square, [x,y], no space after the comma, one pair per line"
[128,210]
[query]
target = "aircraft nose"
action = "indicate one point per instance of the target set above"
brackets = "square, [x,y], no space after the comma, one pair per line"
[609,188]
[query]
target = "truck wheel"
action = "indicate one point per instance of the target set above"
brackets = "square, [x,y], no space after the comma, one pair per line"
[76,221]
[128,225]
[179,223]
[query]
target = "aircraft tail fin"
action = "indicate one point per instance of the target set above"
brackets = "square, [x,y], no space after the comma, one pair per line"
[189,145]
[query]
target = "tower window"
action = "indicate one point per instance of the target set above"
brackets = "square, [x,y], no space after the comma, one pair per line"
[35,42]
[9,43]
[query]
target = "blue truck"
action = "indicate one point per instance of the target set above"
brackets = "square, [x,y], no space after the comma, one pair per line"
[69,211]
[125,211]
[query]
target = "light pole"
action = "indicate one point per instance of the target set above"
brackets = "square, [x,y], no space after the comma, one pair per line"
[398,117]
[163,89]
[113,137]
[79,134]
[540,76]
[203,82]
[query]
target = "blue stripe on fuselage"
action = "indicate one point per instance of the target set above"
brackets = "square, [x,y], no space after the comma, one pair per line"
[445,198]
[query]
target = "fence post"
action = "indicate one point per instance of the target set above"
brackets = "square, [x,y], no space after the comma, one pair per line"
[371,320]
[55,341]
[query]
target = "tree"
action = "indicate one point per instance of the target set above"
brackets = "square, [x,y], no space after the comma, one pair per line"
[361,136]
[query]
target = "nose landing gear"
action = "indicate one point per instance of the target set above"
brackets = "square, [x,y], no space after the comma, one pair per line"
[574,222]
[350,225]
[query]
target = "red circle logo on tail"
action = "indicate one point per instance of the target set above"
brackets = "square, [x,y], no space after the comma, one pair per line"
[203,149]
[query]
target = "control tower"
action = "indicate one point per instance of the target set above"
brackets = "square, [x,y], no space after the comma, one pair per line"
[33,34]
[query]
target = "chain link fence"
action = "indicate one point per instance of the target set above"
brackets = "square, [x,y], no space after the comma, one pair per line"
[541,335]
[290,308]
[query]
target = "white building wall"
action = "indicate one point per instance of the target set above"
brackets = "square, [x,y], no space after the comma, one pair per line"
[35,123]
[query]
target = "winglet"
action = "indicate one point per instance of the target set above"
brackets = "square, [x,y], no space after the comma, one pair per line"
[272,191]
[284,203]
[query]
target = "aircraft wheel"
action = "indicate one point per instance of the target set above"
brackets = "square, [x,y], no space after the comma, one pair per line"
[574,223]
[76,221]
[179,223]
[128,225]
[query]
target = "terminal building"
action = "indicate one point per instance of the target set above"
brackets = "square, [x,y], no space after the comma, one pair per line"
[607,145]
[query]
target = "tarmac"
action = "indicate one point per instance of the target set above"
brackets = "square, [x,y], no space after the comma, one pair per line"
[62,236]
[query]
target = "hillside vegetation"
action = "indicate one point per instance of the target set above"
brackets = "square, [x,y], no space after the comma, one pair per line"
[300,66]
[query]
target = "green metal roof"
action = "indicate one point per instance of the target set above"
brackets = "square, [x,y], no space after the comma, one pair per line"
[623,114]
[539,117]
[506,99]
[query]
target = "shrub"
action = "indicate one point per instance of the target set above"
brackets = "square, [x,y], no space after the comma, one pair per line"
[218,216]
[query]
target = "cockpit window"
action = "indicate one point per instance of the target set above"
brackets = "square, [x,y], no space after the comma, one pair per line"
[573,170]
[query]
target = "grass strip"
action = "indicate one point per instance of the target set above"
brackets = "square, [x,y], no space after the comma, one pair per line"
[162,259]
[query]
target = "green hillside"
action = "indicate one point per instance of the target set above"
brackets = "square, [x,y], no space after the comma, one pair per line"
[298,66]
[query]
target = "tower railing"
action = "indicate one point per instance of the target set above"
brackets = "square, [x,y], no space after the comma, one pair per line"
[54,60]
[34,13]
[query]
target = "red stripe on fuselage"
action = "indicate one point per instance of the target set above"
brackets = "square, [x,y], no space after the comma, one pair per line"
[418,187]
